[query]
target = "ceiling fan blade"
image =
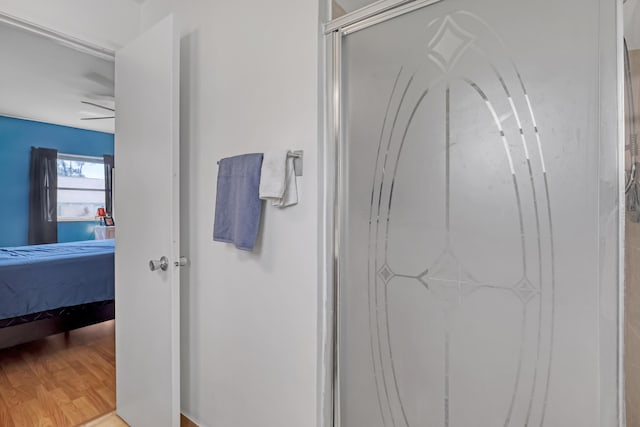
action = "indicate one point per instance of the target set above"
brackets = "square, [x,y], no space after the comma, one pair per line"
[98,105]
[97,118]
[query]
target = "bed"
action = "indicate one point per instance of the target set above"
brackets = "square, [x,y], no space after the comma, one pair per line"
[48,289]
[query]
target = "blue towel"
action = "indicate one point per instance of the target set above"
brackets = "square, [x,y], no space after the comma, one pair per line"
[238,204]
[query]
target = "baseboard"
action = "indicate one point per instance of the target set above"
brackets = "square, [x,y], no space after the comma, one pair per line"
[184,421]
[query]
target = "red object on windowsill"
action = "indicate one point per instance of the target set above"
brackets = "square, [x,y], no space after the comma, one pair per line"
[101,212]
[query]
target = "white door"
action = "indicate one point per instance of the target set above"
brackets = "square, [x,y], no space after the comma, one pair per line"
[147,199]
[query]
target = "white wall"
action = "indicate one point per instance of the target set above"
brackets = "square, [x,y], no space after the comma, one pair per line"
[107,23]
[632,24]
[249,324]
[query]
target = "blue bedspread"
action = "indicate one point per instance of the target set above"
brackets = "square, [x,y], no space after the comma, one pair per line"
[45,277]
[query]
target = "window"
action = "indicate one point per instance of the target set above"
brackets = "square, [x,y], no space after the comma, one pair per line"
[80,187]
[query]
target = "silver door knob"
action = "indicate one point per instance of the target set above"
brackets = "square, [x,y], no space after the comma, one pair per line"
[161,264]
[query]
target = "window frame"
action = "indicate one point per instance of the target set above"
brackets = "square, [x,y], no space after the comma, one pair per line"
[79,158]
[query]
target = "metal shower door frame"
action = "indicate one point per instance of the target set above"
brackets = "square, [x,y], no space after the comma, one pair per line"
[611,115]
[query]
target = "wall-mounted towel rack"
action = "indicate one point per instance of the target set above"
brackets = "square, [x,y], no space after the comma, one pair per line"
[297,160]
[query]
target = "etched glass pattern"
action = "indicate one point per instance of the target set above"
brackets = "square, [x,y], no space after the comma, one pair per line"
[451,267]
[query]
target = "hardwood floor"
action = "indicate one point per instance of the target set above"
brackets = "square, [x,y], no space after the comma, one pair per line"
[109,420]
[61,381]
[112,420]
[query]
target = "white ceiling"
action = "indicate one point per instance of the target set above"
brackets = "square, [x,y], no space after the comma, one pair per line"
[45,81]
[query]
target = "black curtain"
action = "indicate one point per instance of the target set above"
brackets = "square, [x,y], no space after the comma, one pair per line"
[108,183]
[43,196]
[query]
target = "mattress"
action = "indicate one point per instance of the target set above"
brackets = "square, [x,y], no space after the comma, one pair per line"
[45,277]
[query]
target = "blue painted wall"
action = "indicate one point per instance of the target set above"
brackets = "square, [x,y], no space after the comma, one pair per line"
[16,139]
[75,231]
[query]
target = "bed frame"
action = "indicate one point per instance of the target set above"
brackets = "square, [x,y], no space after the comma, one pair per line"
[22,329]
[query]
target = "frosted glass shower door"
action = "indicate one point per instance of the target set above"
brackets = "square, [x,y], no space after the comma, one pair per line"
[478,226]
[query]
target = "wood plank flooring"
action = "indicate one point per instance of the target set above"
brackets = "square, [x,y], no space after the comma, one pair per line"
[61,381]
[109,420]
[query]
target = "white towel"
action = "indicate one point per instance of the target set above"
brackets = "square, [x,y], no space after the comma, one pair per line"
[290,196]
[278,179]
[273,175]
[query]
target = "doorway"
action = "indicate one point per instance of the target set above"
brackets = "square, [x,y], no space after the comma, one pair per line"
[57,363]
[147,306]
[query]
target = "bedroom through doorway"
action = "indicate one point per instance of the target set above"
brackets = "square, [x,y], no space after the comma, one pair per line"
[57,231]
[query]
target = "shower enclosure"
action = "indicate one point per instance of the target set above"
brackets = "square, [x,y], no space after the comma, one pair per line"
[478,192]
[632,234]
